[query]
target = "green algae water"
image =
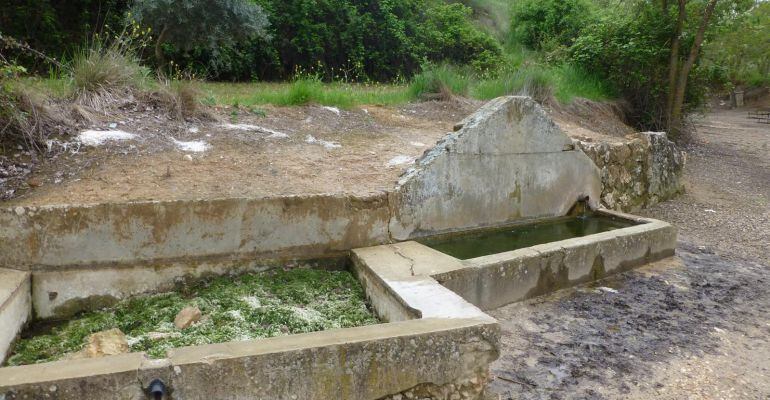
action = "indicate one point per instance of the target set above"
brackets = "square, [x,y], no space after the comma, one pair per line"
[481,243]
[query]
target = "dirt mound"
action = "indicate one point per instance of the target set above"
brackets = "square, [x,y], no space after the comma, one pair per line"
[585,117]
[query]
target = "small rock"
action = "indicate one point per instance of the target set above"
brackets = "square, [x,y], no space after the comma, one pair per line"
[187,317]
[34,182]
[188,157]
[104,343]
[162,335]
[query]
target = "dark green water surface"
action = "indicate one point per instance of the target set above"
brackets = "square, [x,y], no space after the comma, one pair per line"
[482,243]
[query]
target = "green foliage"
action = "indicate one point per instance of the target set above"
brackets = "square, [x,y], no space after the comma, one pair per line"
[337,94]
[56,27]
[739,52]
[352,40]
[630,51]
[549,24]
[543,83]
[242,308]
[106,68]
[189,23]
[448,35]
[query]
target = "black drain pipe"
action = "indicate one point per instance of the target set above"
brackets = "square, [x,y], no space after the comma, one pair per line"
[157,390]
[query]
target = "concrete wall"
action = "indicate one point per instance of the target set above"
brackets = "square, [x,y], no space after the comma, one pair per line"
[637,173]
[300,226]
[495,280]
[509,161]
[15,306]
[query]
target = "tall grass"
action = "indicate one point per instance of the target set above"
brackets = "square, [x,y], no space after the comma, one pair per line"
[440,82]
[304,91]
[103,71]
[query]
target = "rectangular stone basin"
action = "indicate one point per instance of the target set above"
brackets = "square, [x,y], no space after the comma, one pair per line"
[490,275]
[480,243]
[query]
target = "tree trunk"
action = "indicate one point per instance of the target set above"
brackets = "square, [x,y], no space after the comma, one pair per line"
[673,63]
[681,84]
[159,57]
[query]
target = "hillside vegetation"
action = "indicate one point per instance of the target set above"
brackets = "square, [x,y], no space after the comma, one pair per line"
[661,58]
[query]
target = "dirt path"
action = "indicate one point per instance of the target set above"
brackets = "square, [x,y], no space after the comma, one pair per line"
[726,206]
[696,326]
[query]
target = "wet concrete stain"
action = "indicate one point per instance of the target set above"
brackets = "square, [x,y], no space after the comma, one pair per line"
[591,342]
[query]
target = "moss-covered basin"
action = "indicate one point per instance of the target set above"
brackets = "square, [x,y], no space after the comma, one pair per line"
[265,304]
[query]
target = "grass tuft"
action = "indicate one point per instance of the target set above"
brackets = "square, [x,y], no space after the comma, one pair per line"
[102,74]
[440,82]
[25,118]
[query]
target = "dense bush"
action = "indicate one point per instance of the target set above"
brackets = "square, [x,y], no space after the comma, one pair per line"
[448,34]
[630,52]
[57,28]
[549,24]
[186,24]
[349,40]
[353,40]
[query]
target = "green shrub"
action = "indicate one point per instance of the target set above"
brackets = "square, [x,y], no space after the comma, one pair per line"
[211,24]
[549,24]
[449,35]
[630,52]
[572,81]
[25,120]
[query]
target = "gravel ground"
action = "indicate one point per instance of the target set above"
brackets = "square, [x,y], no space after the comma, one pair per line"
[726,206]
[696,326]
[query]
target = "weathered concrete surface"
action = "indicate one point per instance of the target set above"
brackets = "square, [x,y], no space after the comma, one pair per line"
[122,377]
[15,306]
[637,173]
[508,161]
[397,280]
[62,292]
[361,363]
[300,226]
[493,281]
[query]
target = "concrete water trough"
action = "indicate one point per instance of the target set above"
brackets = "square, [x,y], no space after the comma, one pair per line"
[506,165]
[431,343]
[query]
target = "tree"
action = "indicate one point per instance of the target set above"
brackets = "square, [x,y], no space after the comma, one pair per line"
[205,23]
[681,66]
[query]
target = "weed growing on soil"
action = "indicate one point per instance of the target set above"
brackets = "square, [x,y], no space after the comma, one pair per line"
[440,83]
[104,71]
[272,303]
[304,91]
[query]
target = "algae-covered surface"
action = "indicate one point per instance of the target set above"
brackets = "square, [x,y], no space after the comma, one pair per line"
[272,303]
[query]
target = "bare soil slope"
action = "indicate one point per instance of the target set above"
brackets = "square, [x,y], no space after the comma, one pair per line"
[318,150]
